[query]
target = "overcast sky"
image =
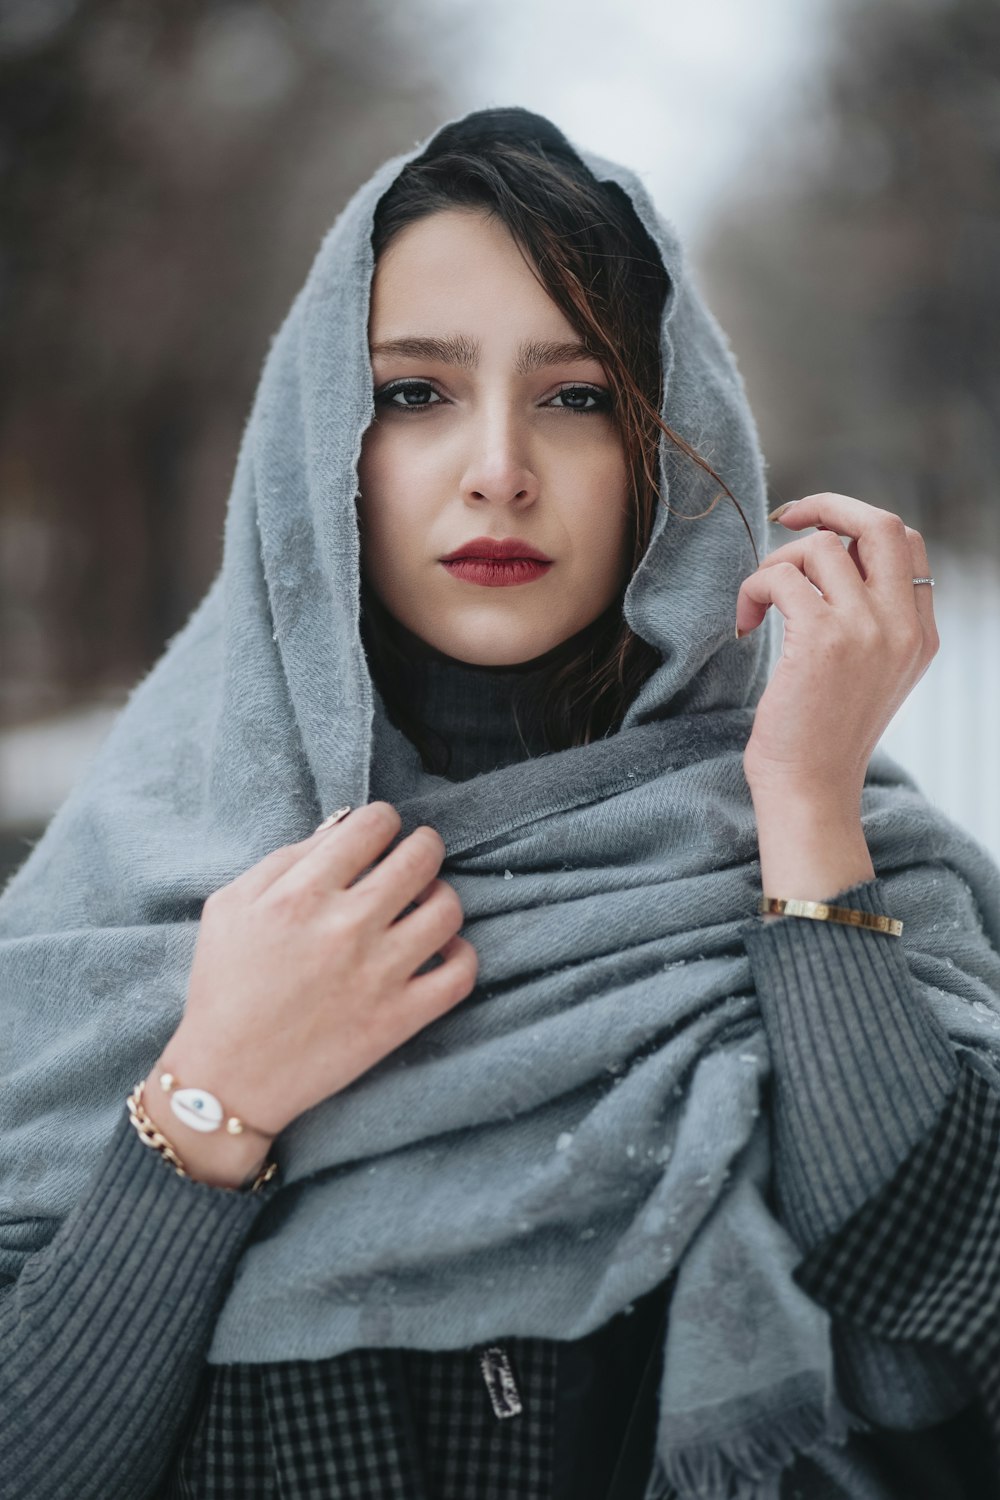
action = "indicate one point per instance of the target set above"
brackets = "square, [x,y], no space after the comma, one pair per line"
[688,95]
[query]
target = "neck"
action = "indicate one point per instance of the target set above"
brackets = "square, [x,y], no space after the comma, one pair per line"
[475,718]
[415,649]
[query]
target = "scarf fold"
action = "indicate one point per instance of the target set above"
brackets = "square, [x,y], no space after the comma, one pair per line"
[594,1116]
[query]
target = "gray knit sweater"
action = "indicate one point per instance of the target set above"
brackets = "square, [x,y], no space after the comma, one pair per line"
[103,1336]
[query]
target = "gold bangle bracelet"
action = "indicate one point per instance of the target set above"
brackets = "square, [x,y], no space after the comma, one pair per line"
[822,911]
[151,1136]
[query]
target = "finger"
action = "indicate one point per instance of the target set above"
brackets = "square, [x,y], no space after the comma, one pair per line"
[923,593]
[439,989]
[783,585]
[422,931]
[402,877]
[334,818]
[252,882]
[336,856]
[882,545]
[824,560]
[852,552]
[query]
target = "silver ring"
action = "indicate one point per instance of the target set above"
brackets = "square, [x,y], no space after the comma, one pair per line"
[924,580]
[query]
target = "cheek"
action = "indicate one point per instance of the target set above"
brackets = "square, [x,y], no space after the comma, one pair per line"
[371,464]
[392,520]
[379,482]
[604,514]
[374,505]
[612,530]
[393,470]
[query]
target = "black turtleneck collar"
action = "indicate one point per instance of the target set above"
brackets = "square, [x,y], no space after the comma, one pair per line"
[487,716]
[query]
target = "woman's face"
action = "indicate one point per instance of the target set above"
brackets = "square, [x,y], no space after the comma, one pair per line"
[488,423]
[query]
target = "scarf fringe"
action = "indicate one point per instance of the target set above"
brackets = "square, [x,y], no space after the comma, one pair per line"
[748,1465]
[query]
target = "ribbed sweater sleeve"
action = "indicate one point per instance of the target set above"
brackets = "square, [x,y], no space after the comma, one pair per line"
[103,1335]
[862,1075]
[861,1067]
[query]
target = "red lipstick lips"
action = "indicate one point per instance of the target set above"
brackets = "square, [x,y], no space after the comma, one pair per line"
[496,564]
[491,547]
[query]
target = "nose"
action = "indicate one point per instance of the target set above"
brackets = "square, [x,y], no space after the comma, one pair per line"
[499,467]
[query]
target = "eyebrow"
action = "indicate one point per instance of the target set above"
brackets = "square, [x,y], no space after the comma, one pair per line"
[533,354]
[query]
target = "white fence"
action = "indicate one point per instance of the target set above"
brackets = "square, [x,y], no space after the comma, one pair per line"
[947,733]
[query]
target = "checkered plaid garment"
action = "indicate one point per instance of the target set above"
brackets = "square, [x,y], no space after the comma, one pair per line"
[919,1260]
[372,1424]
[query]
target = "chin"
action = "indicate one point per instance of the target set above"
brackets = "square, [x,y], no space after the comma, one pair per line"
[487,656]
[488,642]
[499,653]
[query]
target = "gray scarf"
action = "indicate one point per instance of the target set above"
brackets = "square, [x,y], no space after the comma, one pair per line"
[591,1117]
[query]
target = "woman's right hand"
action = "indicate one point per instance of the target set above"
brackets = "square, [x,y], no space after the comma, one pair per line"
[302,977]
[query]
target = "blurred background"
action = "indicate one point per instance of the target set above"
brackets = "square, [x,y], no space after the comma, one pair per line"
[168,169]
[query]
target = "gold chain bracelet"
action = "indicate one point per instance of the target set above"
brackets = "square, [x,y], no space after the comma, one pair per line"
[151,1136]
[822,911]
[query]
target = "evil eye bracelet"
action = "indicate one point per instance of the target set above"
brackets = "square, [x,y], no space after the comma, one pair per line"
[198,1109]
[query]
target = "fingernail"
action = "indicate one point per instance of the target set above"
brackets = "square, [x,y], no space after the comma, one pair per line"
[334,817]
[739,632]
[777,514]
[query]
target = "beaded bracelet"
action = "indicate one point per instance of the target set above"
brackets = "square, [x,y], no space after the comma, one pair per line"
[822,911]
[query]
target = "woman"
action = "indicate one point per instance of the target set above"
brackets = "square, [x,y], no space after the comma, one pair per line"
[605,1195]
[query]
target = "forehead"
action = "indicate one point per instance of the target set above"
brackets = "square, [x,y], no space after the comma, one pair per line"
[460,268]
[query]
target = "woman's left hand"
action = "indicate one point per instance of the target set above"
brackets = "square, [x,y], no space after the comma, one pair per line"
[852,652]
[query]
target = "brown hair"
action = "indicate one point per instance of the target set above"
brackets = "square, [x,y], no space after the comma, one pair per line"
[584,242]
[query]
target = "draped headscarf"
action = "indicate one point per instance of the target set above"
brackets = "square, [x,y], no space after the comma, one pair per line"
[589,1120]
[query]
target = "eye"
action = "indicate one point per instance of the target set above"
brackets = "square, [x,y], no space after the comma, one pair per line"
[407,388]
[579,393]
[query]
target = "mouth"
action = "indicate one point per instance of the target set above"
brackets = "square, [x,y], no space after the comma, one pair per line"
[495,573]
[495,548]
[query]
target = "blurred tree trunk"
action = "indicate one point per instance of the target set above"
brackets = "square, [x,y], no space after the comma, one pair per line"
[857,274]
[167,173]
